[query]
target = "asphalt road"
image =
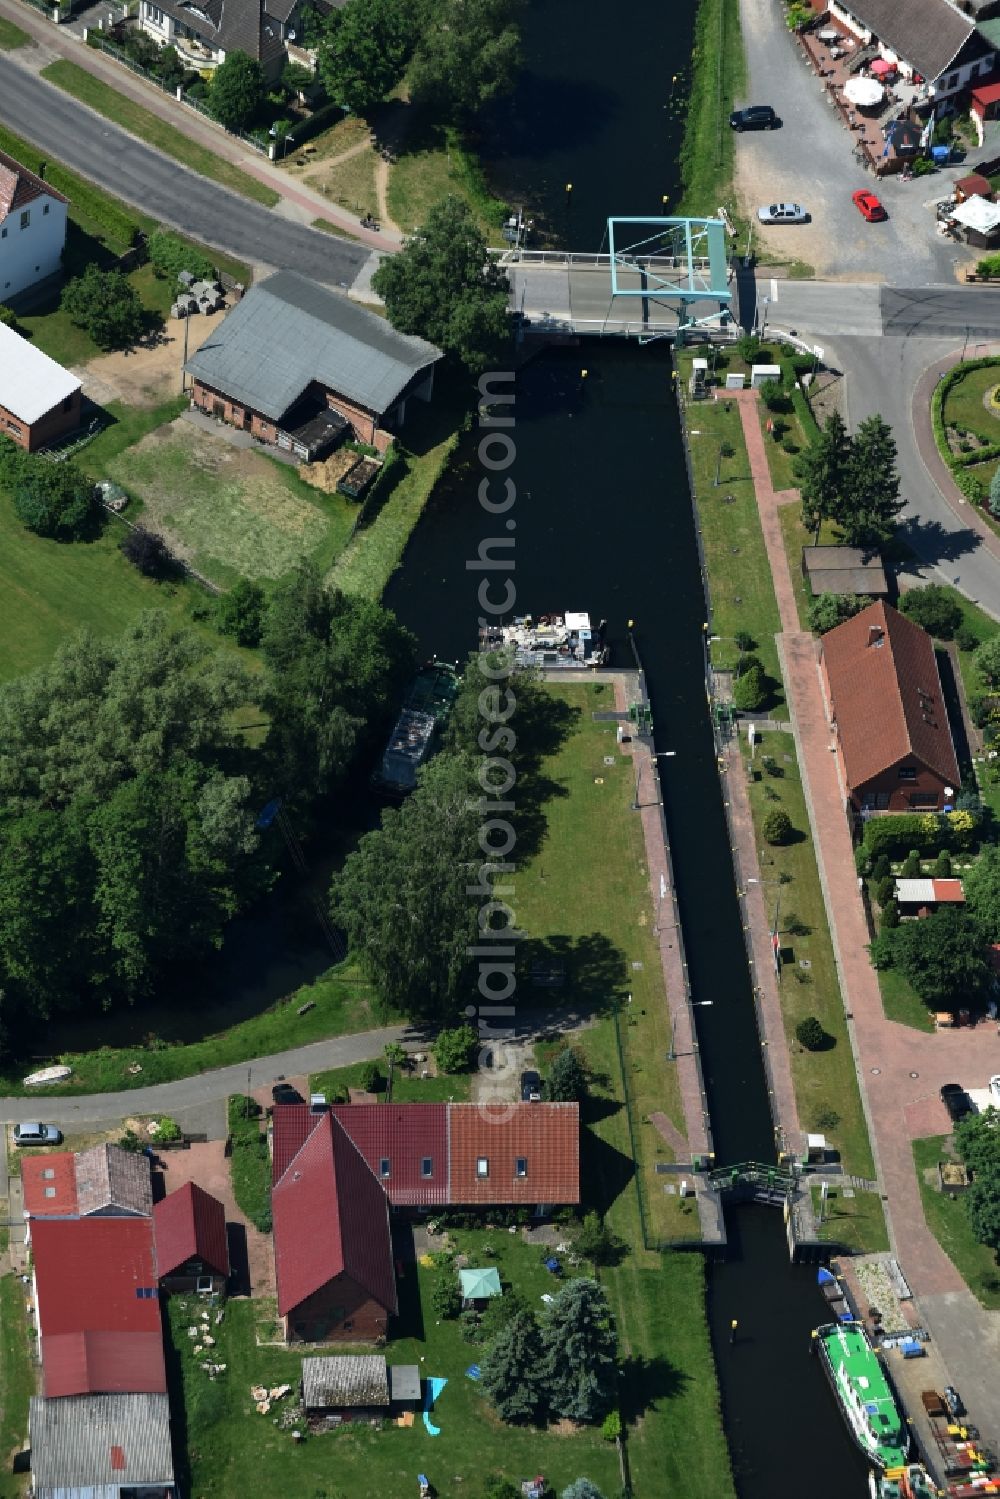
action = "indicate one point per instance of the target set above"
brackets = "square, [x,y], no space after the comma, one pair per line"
[142,176]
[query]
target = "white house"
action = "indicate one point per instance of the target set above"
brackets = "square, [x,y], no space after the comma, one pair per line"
[32,228]
[931,38]
[205,32]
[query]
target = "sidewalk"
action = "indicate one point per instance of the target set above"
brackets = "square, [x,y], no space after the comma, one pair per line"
[299,202]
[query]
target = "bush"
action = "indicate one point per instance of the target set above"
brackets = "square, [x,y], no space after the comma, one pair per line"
[169,255]
[107,306]
[810,1034]
[747,663]
[240,612]
[889,919]
[598,1243]
[965,636]
[884,889]
[773,396]
[611,1426]
[942,866]
[828,610]
[370,1077]
[446,1298]
[912,865]
[455,1050]
[149,553]
[55,500]
[750,690]
[744,641]
[881,868]
[970,484]
[165,1130]
[933,608]
[776,826]
[987,659]
[567,1081]
[8,318]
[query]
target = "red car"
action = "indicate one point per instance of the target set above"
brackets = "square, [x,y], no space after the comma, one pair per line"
[868,205]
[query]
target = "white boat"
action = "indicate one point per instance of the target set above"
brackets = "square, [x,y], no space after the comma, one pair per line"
[47,1075]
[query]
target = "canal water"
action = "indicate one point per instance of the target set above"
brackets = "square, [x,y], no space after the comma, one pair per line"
[604,524]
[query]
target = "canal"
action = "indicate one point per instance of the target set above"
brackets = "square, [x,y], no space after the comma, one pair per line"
[604,524]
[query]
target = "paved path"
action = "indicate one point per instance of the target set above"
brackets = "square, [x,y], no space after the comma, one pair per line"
[59,41]
[898,1068]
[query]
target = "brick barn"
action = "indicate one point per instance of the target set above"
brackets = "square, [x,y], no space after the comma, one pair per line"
[888,714]
[39,400]
[304,368]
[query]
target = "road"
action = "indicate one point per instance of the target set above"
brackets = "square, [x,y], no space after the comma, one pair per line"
[160,187]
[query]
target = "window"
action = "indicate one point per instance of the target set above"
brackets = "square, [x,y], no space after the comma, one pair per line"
[427,1166]
[204,1284]
[13,426]
[145,1293]
[50,1191]
[383,1168]
[952,81]
[3,234]
[25,218]
[907,773]
[483,1166]
[45,209]
[48,1174]
[521,1166]
[923,799]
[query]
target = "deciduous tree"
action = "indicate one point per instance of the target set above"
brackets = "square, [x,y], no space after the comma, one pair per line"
[237,90]
[933,608]
[469,54]
[107,306]
[365,48]
[982,893]
[942,956]
[828,610]
[56,500]
[455,1049]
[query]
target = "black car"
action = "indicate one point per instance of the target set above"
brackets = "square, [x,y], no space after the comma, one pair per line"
[956,1101]
[754,117]
[531,1087]
[286,1093]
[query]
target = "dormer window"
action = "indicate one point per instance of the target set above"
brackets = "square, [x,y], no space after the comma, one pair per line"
[521,1167]
[383,1168]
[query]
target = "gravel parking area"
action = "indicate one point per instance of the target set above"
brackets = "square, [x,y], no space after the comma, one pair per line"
[809,161]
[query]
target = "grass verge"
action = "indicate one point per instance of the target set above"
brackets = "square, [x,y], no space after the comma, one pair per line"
[153,131]
[856,1223]
[341,1004]
[432,165]
[825,1081]
[12,37]
[901,1003]
[948,1222]
[780,462]
[718,75]
[17,1382]
[250,1162]
[407,1087]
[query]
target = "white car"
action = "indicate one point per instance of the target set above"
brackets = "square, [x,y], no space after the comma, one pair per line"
[782,213]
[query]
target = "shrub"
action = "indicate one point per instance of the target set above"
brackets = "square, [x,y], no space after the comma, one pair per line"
[912,869]
[773,396]
[169,255]
[240,612]
[106,305]
[611,1426]
[881,868]
[933,608]
[776,826]
[567,1081]
[810,1034]
[166,1130]
[370,1077]
[748,663]
[970,484]
[965,636]
[826,1119]
[446,1298]
[598,1243]
[8,318]
[454,1050]
[744,641]
[130,1141]
[55,500]
[828,610]
[889,919]
[750,690]
[884,889]
[942,866]
[987,659]
[149,553]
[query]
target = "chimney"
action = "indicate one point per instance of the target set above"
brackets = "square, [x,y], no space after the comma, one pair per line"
[876,635]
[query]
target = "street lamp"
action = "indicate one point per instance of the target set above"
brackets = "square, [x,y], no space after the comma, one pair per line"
[694,1004]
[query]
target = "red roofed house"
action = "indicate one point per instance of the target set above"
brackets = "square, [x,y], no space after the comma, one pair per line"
[97,1306]
[48,1185]
[192,1252]
[887,709]
[526,1153]
[332,1244]
[32,228]
[406,1145]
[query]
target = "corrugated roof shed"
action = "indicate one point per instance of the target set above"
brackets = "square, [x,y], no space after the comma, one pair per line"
[928,34]
[49,1185]
[331,1217]
[190,1224]
[288,332]
[84,1442]
[110,1180]
[541,1138]
[31,384]
[887,697]
[351,1379]
[97,1306]
[412,1138]
[930,892]
[404,1382]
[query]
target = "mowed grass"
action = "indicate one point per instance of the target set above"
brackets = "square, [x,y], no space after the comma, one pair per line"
[12,37]
[857,1223]
[964,406]
[235,512]
[739,577]
[153,131]
[824,1081]
[431,166]
[901,1002]
[563,892]
[407,1086]
[17,1383]
[781,463]
[949,1223]
[233,1451]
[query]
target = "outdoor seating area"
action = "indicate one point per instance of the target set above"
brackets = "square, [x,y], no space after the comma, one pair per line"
[867,93]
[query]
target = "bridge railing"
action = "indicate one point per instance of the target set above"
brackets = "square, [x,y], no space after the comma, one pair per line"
[556,259]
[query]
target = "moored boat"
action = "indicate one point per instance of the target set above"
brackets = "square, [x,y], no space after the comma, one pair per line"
[861,1386]
[415,733]
[549,641]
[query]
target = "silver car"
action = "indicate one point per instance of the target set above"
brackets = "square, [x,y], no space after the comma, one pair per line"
[782,213]
[36,1134]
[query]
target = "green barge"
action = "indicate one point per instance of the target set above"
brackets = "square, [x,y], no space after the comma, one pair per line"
[863,1393]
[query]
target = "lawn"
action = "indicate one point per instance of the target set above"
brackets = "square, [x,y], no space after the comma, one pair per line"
[563,901]
[153,131]
[349,182]
[12,37]
[946,1218]
[739,576]
[857,1223]
[430,167]
[231,511]
[825,1081]
[341,1001]
[901,1003]
[407,1086]
[17,1382]
[376,548]
[963,403]
[234,1451]
[781,463]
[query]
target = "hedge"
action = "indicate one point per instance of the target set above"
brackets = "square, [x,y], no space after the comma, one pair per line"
[929,832]
[791,369]
[250,1164]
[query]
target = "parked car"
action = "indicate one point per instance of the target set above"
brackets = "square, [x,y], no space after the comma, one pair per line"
[868,206]
[531,1087]
[956,1101]
[286,1093]
[782,213]
[754,117]
[37,1134]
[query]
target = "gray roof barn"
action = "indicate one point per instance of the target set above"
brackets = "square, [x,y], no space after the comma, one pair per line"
[113,1183]
[288,332]
[927,34]
[95,1446]
[353,1379]
[845,570]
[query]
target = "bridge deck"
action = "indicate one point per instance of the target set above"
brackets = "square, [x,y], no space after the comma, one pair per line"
[571,298]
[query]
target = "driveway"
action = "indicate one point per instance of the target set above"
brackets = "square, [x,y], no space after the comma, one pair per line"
[809,160]
[250,1251]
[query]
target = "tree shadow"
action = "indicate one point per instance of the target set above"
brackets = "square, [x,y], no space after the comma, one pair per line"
[933,544]
[239,1260]
[543,116]
[584,976]
[178,1409]
[645,1381]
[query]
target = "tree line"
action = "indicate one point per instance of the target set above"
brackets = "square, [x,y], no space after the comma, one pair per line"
[131,796]
[852,481]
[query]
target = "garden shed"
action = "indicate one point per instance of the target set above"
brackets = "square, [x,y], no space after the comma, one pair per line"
[973,185]
[844,570]
[350,1381]
[404,1384]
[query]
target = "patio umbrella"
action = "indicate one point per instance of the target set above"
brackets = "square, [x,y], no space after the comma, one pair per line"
[864,92]
[881,68]
[828,34]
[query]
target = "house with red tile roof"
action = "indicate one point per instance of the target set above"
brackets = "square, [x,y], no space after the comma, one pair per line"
[887,709]
[406,1145]
[192,1251]
[48,1185]
[332,1244]
[32,228]
[525,1154]
[97,1308]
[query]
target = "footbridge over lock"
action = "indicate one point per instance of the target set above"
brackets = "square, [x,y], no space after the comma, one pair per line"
[651,279]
